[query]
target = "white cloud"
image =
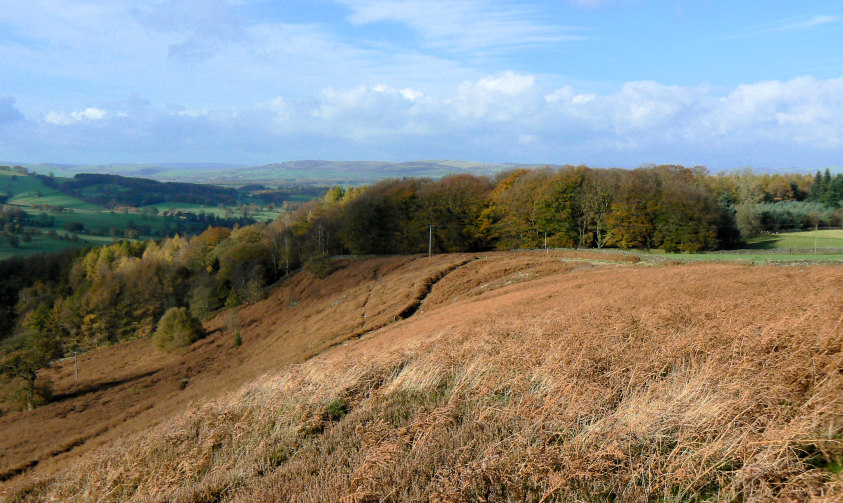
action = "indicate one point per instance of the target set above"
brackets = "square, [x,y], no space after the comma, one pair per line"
[187,112]
[802,111]
[411,94]
[63,119]
[512,116]
[508,97]
[508,116]
[509,84]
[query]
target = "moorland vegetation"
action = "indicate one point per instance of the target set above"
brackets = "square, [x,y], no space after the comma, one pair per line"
[531,377]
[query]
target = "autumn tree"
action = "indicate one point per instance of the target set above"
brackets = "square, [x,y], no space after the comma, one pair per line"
[453,205]
[598,192]
[510,218]
[686,218]
[631,222]
[559,206]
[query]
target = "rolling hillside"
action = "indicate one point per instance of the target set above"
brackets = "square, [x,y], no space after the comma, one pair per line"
[500,377]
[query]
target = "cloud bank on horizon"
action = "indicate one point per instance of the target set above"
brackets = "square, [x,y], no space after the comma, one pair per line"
[600,82]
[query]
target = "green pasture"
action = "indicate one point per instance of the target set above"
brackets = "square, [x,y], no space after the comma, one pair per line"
[27,200]
[756,258]
[105,219]
[44,244]
[27,191]
[193,208]
[232,211]
[802,240]
[786,247]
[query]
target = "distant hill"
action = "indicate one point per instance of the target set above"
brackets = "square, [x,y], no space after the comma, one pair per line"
[304,172]
[366,171]
[155,170]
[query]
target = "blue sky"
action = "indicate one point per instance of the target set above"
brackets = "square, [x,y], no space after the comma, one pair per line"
[605,83]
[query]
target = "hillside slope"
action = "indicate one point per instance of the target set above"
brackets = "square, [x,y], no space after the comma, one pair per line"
[129,386]
[515,377]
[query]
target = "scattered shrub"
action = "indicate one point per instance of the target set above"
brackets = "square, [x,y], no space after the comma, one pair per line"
[177,329]
[233,300]
[335,410]
[24,395]
[318,266]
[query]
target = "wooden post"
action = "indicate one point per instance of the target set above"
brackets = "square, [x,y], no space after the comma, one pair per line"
[430,242]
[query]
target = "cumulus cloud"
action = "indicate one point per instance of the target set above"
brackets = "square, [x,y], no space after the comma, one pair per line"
[803,111]
[508,97]
[63,119]
[508,116]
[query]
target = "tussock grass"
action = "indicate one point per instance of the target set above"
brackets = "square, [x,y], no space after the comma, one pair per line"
[713,383]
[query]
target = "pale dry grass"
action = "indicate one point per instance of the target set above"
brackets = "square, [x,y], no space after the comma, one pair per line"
[684,383]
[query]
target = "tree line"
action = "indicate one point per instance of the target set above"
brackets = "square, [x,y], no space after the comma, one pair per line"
[113,190]
[52,307]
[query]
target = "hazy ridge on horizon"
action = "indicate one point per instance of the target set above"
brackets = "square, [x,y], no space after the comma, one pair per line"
[311,170]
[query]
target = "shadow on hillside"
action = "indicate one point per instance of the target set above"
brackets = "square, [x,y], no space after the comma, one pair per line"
[98,386]
[765,243]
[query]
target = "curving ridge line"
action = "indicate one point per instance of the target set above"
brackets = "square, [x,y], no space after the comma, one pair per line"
[428,285]
[405,313]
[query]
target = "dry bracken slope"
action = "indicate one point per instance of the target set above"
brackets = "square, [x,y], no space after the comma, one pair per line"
[567,383]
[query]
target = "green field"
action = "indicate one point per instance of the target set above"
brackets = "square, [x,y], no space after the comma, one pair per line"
[261,215]
[28,192]
[786,247]
[755,258]
[31,194]
[802,240]
[43,244]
